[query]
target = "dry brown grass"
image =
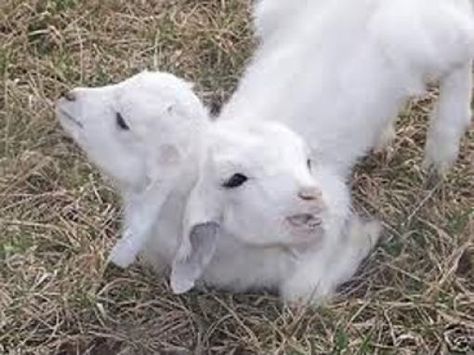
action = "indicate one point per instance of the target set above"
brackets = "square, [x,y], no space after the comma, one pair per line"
[58,219]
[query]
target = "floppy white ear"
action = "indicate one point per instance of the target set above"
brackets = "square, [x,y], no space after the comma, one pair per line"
[201,231]
[161,162]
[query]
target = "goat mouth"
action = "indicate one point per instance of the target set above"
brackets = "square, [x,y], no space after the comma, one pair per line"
[304,220]
[70,118]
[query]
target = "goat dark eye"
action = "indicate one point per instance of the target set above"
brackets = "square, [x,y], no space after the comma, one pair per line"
[308,163]
[121,122]
[236,180]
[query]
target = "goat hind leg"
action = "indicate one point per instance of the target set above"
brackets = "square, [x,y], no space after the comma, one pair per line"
[450,119]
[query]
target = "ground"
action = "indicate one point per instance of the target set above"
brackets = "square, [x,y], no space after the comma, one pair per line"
[59,219]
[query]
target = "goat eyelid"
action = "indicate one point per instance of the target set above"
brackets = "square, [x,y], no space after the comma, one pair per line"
[121,122]
[235,181]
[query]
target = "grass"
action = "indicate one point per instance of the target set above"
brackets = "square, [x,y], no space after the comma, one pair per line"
[59,219]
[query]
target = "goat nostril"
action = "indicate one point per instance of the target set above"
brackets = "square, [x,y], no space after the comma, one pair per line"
[69,96]
[310,194]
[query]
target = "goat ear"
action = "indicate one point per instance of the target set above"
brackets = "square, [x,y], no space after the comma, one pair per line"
[190,263]
[162,163]
[199,240]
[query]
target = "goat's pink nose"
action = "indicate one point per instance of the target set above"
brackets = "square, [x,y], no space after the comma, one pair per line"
[310,193]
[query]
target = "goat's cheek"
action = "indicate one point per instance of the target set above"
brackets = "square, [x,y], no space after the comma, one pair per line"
[168,155]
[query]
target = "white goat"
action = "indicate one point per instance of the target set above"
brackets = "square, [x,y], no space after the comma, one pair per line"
[257,213]
[338,72]
[144,162]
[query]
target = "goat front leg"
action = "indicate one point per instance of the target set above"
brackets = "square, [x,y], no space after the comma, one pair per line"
[141,212]
[450,119]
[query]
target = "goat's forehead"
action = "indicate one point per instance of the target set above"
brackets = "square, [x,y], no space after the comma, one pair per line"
[156,83]
[143,101]
[155,94]
[263,135]
[256,148]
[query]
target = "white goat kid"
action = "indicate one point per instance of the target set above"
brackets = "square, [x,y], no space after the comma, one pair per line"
[269,218]
[338,72]
[144,160]
[257,213]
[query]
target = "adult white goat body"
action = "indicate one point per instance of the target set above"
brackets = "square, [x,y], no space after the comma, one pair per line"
[338,72]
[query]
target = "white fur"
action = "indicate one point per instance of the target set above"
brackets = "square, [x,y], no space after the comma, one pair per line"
[311,280]
[262,234]
[338,72]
